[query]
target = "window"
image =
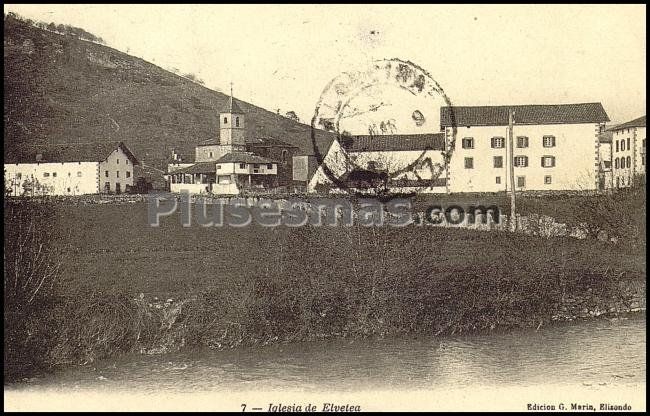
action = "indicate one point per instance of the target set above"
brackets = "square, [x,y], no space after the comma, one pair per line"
[629,162]
[54,174]
[68,190]
[118,173]
[521,161]
[256,165]
[547,180]
[225,120]
[285,153]
[616,163]
[522,141]
[46,174]
[128,174]
[117,161]
[548,141]
[469,163]
[498,161]
[242,166]
[269,166]
[127,161]
[79,174]
[237,122]
[107,174]
[521,181]
[69,174]
[468,143]
[498,179]
[107,186]
[498,142]
[622,145]
[218,166]
[19,175]
[210,154]
[617,145]
[628,143]
[548,161]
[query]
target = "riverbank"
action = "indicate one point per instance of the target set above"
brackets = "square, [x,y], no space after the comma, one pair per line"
[223,287]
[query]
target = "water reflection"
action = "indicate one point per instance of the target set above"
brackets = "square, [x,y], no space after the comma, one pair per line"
[599,352]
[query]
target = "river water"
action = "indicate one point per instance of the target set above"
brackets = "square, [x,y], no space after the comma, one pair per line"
[589,360]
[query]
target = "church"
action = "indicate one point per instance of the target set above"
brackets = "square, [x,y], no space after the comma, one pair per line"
[233,162]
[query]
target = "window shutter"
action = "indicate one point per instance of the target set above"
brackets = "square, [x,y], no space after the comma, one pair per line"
[543,162]
[493,142]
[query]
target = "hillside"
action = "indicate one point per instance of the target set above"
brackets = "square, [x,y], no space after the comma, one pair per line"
[58,89]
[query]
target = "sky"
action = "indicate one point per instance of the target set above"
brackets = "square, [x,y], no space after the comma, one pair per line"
[283,56]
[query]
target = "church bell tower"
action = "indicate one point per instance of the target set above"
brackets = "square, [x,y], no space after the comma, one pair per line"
[232,123]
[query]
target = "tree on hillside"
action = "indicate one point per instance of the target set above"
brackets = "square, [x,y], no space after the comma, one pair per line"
[292,115]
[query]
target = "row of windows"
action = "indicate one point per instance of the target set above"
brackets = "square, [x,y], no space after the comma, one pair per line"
[622,163]
[521,180]
[520,162]
[623,144]
[255,166]
[48,174]
[499,142]
[128,174]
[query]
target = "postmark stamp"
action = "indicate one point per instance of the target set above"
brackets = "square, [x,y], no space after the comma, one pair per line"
[361,101]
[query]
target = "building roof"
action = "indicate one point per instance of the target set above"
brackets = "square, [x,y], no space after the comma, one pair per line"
[394,142]
[637,122]
[605,137]
[524,114]
[233,107]
[201,167]
[243,157]
[72,152]
[257,142]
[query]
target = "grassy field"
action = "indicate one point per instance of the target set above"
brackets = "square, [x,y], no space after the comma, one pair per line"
[254,285]
[112,249]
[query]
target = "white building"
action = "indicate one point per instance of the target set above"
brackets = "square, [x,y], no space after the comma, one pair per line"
[556,147]
[71,169]
[605,179]
[628,151]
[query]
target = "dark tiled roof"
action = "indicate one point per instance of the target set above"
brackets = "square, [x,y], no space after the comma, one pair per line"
[233,107]
[638,122]
[605,137]
[243,157]
[257,142]
[394,142]
[72,152]
[201,167]
[209,142]
[524,114]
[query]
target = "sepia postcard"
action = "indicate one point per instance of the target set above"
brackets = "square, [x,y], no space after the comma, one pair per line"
[324,208]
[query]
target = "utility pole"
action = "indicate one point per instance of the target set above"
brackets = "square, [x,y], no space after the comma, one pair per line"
[511,146]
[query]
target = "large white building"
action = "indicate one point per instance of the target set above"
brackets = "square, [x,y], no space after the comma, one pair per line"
[556,147]
[628,151]
[71,169]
